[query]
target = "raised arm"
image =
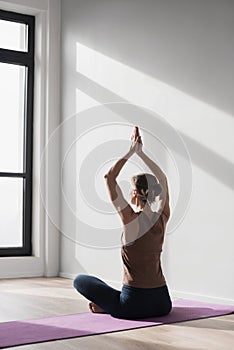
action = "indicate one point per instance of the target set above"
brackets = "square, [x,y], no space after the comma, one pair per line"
[156,170]
[124,209]
[116,168]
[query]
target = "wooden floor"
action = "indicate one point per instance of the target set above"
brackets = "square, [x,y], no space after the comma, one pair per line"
[43,297]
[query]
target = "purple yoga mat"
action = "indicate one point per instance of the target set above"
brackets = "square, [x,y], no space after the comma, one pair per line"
[69,326]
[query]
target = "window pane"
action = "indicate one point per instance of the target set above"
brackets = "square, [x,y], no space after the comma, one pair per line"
[11,117]
[11,209]
[13,36]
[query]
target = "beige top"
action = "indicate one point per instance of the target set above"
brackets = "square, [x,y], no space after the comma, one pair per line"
[141,258]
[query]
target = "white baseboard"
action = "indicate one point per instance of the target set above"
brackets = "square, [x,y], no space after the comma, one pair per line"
[200,297]
[70,276]
[22,274]
[174,293]
[114,284]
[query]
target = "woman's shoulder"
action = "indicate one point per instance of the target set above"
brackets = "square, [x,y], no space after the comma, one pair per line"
[152,216]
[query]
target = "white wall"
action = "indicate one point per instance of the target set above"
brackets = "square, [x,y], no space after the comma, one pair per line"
[174,57]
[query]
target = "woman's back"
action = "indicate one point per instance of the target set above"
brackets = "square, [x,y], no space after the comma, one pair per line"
[141,257]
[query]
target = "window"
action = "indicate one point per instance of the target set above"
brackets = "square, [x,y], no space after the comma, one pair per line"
[16,123]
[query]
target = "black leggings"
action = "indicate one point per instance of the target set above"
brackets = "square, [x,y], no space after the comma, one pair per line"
[129,303]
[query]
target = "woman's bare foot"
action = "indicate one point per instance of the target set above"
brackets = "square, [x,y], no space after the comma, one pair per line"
[95,308]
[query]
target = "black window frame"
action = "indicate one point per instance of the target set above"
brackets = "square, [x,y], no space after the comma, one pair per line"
[24,59]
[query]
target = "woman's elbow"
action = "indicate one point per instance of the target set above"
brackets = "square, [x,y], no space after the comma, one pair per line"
[109,175]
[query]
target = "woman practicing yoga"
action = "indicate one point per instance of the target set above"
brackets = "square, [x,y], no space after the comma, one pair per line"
[144,290]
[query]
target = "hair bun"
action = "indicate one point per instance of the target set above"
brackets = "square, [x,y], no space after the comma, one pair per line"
[147,186]
[158,189]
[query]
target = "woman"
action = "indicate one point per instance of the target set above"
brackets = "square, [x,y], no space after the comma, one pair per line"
[144,291]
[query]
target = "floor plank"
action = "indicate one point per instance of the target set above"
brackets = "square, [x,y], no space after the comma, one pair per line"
[43,297]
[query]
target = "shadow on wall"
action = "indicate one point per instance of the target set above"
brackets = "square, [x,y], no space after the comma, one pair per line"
[205,158]
[186,44]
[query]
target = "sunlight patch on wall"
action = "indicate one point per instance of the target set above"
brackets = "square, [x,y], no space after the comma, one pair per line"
[193,117]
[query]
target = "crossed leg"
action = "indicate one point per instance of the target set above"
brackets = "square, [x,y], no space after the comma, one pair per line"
[103,298]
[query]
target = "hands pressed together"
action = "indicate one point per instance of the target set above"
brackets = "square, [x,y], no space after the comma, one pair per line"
[136,146]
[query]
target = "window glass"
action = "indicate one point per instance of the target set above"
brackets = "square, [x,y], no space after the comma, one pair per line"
[12,84]
[13,36]
[11,212]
